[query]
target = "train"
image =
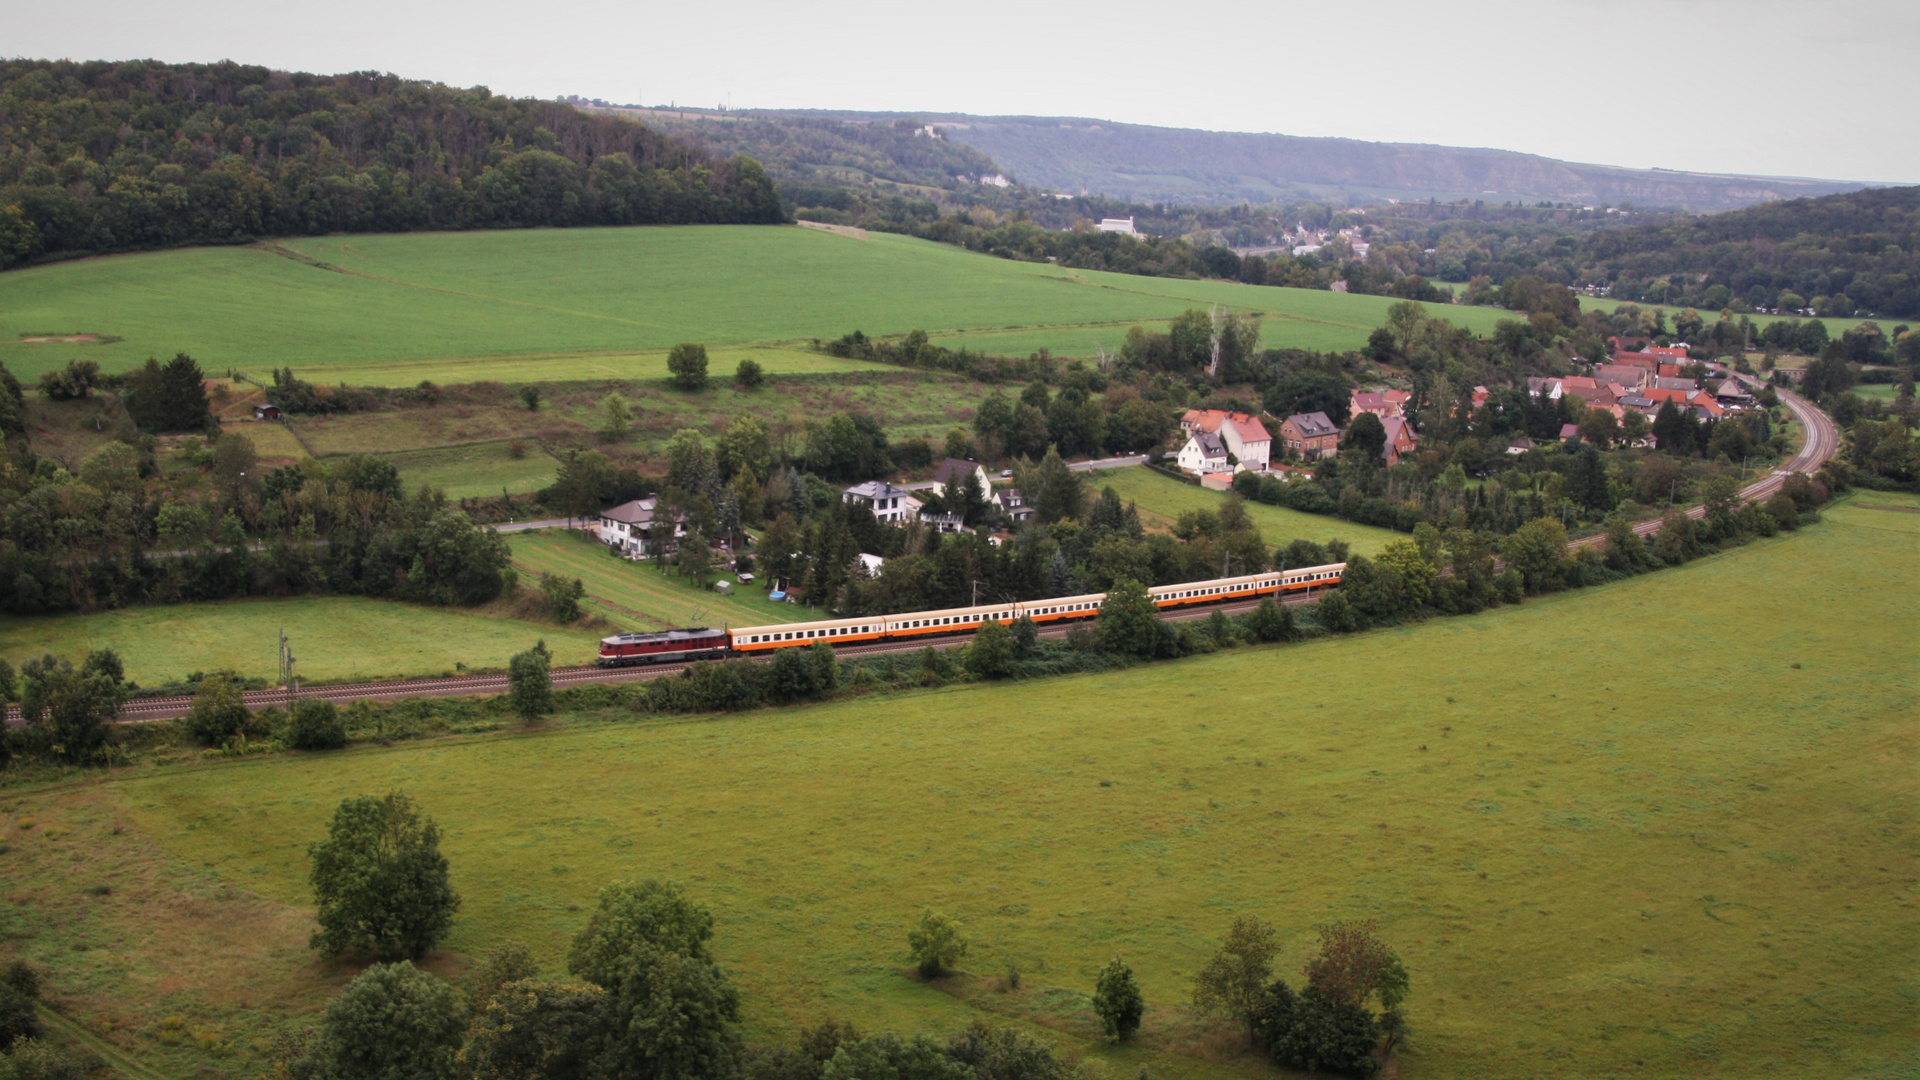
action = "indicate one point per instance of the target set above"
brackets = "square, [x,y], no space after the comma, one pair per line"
[704,643]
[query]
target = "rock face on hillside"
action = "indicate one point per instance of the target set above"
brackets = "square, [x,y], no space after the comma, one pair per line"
[1169,164]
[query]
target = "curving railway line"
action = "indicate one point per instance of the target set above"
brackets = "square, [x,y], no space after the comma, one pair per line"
[1821,443]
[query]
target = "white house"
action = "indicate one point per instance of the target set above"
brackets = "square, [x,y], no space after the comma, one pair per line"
[1013,504]
[890,504]
[953,472]
[1205,452]
[629,528]
[1246,438]
[1121,225]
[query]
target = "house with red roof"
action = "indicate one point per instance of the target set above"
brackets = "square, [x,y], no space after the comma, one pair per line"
[1401,439]
[1381,403]
[1246,438]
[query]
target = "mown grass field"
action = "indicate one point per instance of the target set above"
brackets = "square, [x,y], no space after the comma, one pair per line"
[641,596]
[336,638]
[477,470]
[1162,499]
[1661,828]
[564,304]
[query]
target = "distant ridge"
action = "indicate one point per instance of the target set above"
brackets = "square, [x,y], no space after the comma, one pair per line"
[1179,165]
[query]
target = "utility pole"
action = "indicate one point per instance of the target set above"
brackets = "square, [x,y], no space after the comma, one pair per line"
[287,678]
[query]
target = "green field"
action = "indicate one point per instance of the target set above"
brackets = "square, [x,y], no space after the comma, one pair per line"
[477,469]
[1162,499]
[1662,828]
[1880,391]
[600,303]
[641,596]
[336,638]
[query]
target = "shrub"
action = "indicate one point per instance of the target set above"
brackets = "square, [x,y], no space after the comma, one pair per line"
[17,1017]
[990,654]
[380,882]
[33,1059]
[507,962]
[315,724]
[218,715]
[749,375]
[1117,1001]
[530,682]
[562,595]
[937,944]
[1269,621]
[1336,612]
[22,979]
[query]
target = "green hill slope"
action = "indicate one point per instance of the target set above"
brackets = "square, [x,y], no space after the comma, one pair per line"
[535,303]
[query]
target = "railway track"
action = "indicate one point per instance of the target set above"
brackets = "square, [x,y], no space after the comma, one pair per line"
[1821,442]
[141,710]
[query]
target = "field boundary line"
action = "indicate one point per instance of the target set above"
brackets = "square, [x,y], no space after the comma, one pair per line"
[113,1055]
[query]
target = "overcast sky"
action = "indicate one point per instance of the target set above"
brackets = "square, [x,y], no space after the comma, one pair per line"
[1744,86]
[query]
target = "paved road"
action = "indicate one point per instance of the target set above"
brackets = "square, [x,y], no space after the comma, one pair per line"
[1108,463]
[1822,441]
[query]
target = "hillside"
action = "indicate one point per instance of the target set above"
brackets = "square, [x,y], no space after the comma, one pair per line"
[1843,254]
[1151,164]
[102,156]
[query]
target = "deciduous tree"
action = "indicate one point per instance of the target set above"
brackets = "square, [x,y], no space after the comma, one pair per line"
[687,364]
[530,682]
[380,882]
[1233,982]
[936,944]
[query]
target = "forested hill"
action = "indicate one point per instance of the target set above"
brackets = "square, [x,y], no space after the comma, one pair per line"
[1841,254]
[100,156]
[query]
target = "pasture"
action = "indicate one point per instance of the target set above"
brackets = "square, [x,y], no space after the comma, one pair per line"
[1162,499]
[642,596]
[1664,828]
[567,304]
[336,638]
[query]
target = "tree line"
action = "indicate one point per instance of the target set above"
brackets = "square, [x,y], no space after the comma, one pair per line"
[115,156]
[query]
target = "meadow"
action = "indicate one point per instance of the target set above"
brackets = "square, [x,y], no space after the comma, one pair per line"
[1161,500]
[336,638]
[477,470]
[1663,828]
[642,596]
[567,304]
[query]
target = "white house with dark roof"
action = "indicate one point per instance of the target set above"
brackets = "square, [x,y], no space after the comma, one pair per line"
[1246,438]
[889,504]
[1205,452]
[1013,504]
[630,528]
[953,473]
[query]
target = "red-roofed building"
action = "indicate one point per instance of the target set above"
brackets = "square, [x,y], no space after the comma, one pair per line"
[1637,359]
[1675,352]
[1480,396]
[1381,403]
[1400,439]
[1246,437]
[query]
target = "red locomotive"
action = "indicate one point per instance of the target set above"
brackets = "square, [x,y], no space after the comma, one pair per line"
[664,647]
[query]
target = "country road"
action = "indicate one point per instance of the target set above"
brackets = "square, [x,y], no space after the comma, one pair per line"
[1821,442]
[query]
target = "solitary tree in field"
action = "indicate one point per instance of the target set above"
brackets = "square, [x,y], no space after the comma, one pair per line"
[1117,1001]
[1234,981]
[749,375]
[380,882]
[530,397]
[619,418]
[530,682]
[937,944]
[687,364]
